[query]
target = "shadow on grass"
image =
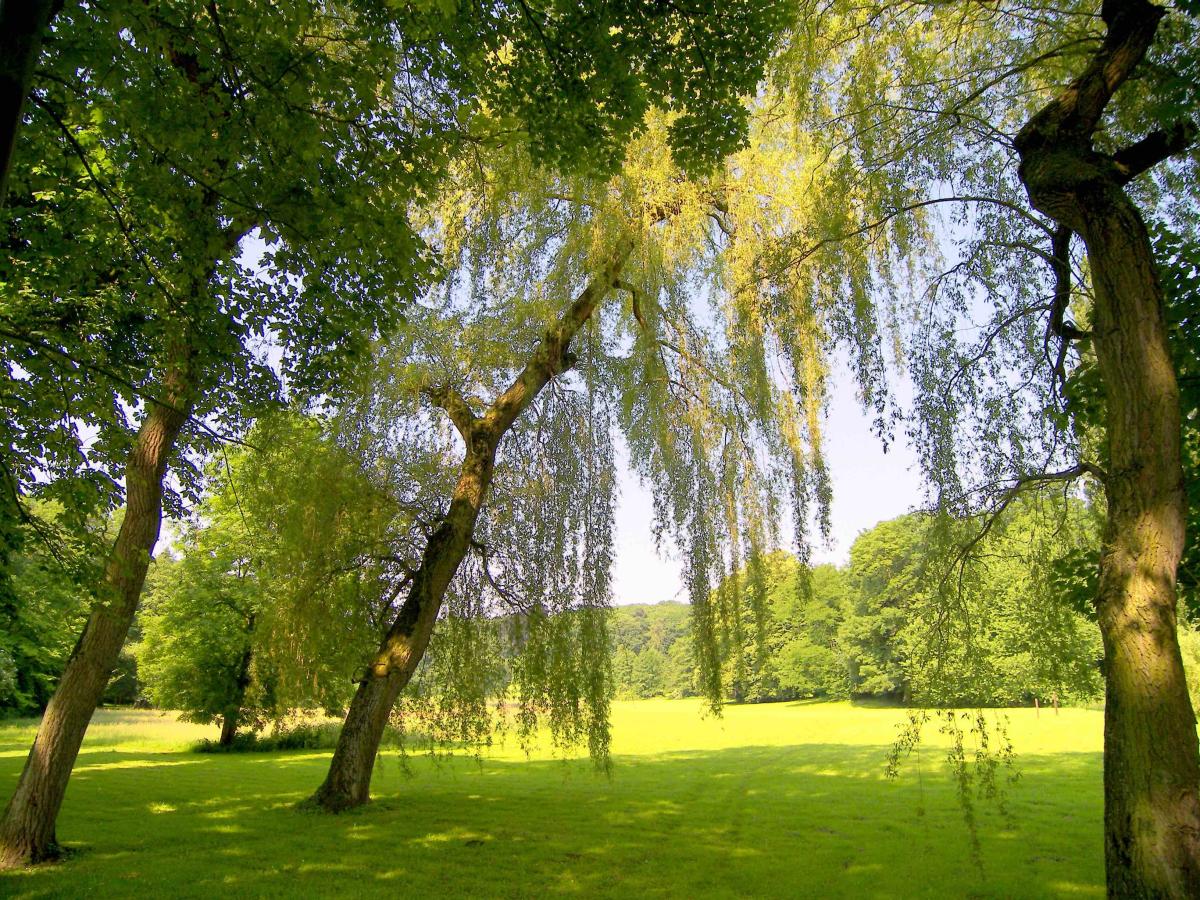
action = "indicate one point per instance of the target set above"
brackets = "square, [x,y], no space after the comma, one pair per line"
[811,820]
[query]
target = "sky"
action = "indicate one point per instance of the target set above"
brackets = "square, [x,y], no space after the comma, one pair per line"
[869,486]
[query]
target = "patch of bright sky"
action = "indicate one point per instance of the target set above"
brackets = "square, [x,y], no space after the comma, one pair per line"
[869,486]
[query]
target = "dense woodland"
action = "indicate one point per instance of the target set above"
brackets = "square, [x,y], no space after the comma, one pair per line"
[363,297]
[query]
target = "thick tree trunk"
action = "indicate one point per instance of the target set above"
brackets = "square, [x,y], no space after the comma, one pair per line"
[1151,762]
[229,725]
[27,829]
[349,780]
[23,24]
[1151,759]
[233,713]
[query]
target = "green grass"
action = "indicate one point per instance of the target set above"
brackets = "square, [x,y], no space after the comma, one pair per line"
[786,800]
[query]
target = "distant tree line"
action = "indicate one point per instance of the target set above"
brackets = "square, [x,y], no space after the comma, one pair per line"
[875,628]
[207,640]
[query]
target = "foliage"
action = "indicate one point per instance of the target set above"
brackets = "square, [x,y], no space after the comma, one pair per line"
[44,608]
[279,585]
[580,78]
[887,627]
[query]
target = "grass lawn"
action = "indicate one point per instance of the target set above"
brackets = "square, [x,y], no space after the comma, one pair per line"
[785,800]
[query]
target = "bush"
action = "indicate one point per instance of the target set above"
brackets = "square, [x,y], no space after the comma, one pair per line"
[311,736]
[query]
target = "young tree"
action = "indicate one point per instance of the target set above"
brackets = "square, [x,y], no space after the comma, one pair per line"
[281,583]
[196,649]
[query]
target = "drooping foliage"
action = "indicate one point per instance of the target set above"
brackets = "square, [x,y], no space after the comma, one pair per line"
[713,377]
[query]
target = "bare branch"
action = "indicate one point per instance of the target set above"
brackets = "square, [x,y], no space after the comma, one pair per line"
[1155,147]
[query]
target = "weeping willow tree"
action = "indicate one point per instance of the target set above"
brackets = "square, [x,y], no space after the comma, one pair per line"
[574,311]
[1031,134]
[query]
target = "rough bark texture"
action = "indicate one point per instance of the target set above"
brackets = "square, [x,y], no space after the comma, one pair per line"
[1151,761]
[23,24]
[349,780]
[27,829]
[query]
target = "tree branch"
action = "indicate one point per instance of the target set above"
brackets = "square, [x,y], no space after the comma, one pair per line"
[1155,147]
[456,406]
[635,295]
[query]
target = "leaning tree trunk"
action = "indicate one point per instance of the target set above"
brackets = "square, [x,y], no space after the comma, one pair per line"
[349,780]
[1151,761]
[27,829]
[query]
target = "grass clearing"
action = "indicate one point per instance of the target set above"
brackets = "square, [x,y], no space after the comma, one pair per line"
[780,800]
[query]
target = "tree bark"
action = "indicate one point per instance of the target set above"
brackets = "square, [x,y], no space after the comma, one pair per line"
[232,714]
[27,829]
[23,24]
[348,782]
[1151,759]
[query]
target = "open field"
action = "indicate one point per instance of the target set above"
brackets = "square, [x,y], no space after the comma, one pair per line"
[786,800]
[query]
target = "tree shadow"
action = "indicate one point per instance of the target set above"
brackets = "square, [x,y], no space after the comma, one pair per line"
[808,820]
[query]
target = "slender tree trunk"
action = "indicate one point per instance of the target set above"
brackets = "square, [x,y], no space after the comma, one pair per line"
[23,24]
[27,829]
[348,782]
[1151,760]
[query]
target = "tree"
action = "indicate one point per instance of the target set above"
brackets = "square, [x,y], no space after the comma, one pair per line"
[197,639]
[889,569]
[939,123]
[278,587]
[700,424]
[234,176]
[1152,785]
[154,222]
[649,673]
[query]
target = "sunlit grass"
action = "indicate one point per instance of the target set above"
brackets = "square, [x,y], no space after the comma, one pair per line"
[785,800]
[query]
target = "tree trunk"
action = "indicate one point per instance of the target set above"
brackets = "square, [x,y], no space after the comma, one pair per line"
[23,24]
[1151,763]
[232,715]
[1151,759]
[229,725]
[349,780]
[27,829]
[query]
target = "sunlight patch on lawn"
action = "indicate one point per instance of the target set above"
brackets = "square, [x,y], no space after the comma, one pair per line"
[1081,890]
[437,838]
[138,764]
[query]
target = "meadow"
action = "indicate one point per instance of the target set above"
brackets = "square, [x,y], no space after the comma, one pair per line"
[779,800]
